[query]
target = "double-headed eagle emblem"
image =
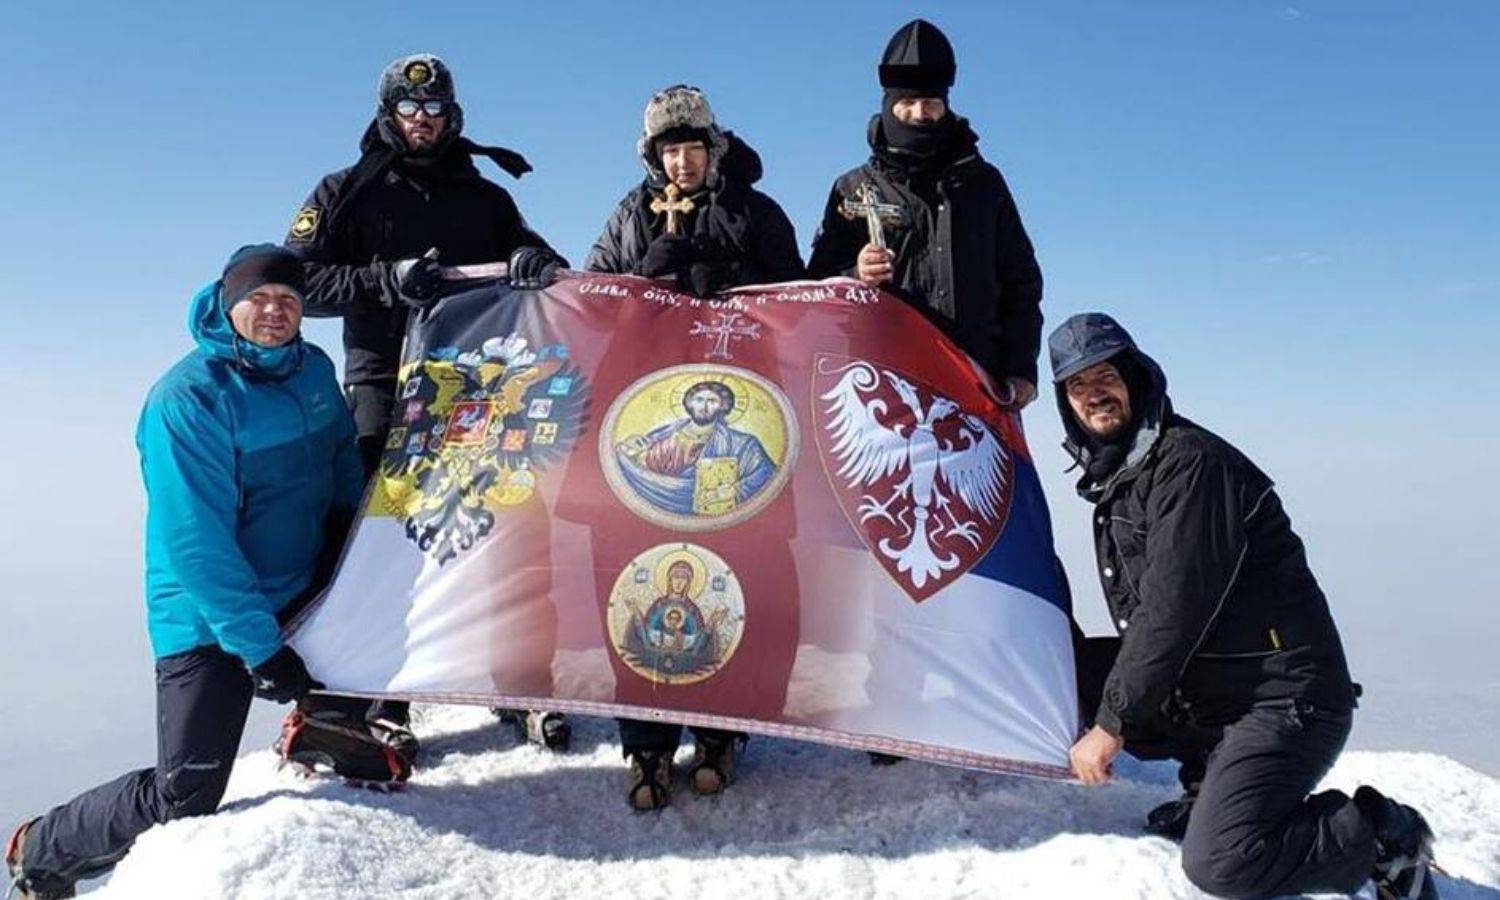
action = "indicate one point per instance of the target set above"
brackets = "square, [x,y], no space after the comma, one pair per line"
[932,481]
[472,431]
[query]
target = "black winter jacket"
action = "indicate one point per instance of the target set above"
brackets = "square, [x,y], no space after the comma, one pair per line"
[746,232]
[1205,579]
[408,207]
[962,254]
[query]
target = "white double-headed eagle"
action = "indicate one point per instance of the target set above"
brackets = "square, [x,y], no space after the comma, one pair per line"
[969,467]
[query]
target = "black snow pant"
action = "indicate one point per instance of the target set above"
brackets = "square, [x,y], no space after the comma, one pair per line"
[370,404]
[202,698]
[663,737]
[1253,830]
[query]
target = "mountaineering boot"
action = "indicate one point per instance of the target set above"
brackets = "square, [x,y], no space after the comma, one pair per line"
[1403,860]
[25,886]
[545,729]
[1170,820]
[398,736]
[649,779]
[713,763]
[360,752]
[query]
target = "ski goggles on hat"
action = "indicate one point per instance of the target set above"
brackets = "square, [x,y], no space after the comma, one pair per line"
[407,108]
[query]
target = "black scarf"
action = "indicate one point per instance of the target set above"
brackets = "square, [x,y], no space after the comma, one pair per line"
[379,152]
[920,151]
[1106,456]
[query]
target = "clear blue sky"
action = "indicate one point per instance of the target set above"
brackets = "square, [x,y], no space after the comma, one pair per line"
[1293,205]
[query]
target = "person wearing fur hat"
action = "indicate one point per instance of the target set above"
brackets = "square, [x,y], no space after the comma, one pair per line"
[696,217]
[1228,659]
[374,237]
[724,233]
[252,478]
[955,245]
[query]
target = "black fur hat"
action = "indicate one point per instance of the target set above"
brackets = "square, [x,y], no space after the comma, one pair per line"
[421,76]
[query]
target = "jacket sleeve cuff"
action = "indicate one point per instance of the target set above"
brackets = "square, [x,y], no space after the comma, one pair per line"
[1019,368]
[253,658]
[1109,720]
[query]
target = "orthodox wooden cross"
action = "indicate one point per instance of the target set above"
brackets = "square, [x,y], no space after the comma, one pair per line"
[673,207]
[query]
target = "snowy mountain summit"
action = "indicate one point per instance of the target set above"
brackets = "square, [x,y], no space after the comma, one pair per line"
[488,817]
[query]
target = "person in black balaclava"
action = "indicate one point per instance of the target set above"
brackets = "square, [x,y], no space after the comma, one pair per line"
[957,249]
[373,238]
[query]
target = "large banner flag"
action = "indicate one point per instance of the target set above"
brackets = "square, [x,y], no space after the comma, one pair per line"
[793,510]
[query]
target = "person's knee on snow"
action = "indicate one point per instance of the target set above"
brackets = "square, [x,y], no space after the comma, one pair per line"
[192,789]
[1224,864]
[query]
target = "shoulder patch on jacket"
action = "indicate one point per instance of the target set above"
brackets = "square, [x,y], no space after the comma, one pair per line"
[305,224]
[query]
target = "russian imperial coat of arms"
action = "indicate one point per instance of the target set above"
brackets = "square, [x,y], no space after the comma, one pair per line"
[470,432]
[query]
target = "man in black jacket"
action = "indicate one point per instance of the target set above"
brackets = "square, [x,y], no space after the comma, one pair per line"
[956,248]
[375,235]
[1228,657]
[373,238]
[696,220]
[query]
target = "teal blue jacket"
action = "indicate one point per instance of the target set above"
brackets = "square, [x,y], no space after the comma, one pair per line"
[248,455]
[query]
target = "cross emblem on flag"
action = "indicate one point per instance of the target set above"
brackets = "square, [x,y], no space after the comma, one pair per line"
[727,328]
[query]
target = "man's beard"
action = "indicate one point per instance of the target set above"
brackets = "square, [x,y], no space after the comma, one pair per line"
[1119,425]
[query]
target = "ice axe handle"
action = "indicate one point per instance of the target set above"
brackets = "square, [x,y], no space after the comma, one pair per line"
[476,272]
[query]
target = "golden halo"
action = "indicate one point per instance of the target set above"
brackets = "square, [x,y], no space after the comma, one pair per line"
[736,385]
[700,572]
[756,397]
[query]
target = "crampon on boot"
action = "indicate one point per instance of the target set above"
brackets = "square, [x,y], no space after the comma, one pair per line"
[22,885]
[398,735]
[545,729]
[362,753]
[649,782]
[713,763]
[1403,860]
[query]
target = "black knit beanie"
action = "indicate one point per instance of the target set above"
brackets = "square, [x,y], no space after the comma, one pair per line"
[256,265]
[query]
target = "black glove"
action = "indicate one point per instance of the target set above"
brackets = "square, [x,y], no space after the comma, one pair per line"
[703,279]
[416,282]
[283,678]
[534,267]
[669,254]
[711,269]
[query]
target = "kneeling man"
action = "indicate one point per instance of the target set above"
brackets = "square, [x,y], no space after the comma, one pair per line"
[252,478]
[1228,659]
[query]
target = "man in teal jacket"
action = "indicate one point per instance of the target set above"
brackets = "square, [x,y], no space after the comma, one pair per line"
[252,476]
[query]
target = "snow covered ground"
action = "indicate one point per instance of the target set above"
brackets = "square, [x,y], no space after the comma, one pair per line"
[488,818]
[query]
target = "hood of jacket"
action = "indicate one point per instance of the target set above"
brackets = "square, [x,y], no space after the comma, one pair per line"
[209,324]
[1088,339]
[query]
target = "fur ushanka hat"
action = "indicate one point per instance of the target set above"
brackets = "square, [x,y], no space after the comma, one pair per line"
[680,113]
